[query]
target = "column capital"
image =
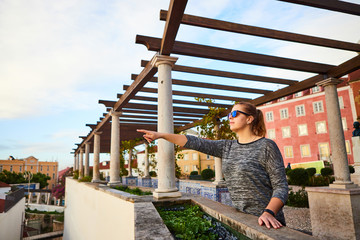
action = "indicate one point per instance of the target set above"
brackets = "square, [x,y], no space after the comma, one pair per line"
[97,132]
[163,59]
[329,81]
[87,143]
[82,150]
[115,114]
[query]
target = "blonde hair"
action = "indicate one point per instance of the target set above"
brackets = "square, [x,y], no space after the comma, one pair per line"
[258,125]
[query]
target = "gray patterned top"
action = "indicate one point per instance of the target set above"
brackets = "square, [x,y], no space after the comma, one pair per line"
[254,172]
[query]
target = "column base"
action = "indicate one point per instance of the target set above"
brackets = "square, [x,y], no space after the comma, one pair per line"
[96,181]
[221,182]
[159,195]
[343,185]
[114,184]
[335,213]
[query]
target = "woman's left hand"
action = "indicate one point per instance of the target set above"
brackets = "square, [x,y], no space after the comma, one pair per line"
[269,221]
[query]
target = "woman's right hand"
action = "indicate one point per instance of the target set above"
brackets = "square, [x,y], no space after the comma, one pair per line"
[149,135]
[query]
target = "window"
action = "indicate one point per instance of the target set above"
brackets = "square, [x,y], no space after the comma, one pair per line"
[207,157]
[10,168]
[1,168]
[321,127]
[54,168]
[194,168]
[288,151]
[31,167]
[47,174]
[298,94]
[20,169]
[316,89]
[305,150]
[48,168]
[195,156]
[286,133]
[53,175]
[40,168]
[302,129]
[284,113]
[186,168]
[269,116]
[300,110]
[324,151]
[208,167]
[347,145]
[186,156]
[271,133]
[318,107]
[344,124]
[341,102]
[282,99]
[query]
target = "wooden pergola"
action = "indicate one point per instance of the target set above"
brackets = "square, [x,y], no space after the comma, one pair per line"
[141,111]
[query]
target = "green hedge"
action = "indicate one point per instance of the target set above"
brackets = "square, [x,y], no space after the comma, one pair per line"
[207,174]
[298,176]
[194,173]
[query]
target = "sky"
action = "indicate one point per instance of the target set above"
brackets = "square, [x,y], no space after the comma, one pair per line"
[58,58]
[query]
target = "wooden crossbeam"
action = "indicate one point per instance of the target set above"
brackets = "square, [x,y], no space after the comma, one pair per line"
[209,85]
[181,114]
[176,109]
[191,94]
[151,99]
[173,19]
[333,5]
[197,50]
[264,32]
[225,74]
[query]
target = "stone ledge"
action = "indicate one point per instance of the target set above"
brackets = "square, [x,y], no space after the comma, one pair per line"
[349,191]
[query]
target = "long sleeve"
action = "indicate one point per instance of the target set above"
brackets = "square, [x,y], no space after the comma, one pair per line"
[211,147]
[276,170]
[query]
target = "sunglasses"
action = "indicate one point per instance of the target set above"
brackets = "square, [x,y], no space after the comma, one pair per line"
[235,113]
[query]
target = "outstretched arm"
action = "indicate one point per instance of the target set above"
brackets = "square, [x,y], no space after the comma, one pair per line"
[173,138]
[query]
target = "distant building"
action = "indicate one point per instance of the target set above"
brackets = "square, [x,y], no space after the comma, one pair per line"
[32,165]
[298,123]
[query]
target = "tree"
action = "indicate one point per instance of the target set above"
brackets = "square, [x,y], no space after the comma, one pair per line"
[40,178]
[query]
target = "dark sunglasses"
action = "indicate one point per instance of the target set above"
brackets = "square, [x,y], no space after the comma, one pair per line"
[235,113]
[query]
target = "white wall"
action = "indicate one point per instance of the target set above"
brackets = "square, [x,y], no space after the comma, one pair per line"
[44,207]
[91,213]
[10,222]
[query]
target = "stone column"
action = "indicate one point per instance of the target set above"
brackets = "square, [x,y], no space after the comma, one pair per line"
[336,133]
[218,164]
[166,153]
[74,168]
[115,149]
[38,198]
[335,210]
[129,165]
[48,198]
[81,163]
[77,162]
[59,202]
[146,158]
[87,156]
[96,168]
[29,197]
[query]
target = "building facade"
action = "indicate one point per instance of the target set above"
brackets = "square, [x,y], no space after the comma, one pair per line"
[32,165]
[298,123]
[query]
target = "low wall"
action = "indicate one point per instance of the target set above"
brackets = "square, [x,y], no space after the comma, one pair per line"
[94,214]
[44,207]
[11,221]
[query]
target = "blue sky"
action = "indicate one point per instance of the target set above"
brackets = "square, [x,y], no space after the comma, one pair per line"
[58,58]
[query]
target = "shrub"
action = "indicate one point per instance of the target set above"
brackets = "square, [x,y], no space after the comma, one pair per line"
[194,173]
[76,174]
[152,173]
[299,176]
[351,169]
[85,179]
[298,199]
[311,171]
[207,174]
[326,172]
[319,181]
[287,171]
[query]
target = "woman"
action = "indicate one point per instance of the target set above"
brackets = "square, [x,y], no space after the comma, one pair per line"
[252,165]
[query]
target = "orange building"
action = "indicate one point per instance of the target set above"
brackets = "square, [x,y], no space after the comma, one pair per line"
[32,165]
[190,160]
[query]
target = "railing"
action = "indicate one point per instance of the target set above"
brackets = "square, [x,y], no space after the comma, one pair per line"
[13,198]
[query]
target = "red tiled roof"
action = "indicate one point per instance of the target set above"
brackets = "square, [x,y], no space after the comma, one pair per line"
[2,184]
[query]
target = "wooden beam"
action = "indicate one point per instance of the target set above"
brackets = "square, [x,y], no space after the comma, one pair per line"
[154,117]
[209,85]
[107,103]
[176,11]
[125,110]
[150,99]
[263,32]
[176,109]
[333,5]
[197,50]
[225,74]
[191,94]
